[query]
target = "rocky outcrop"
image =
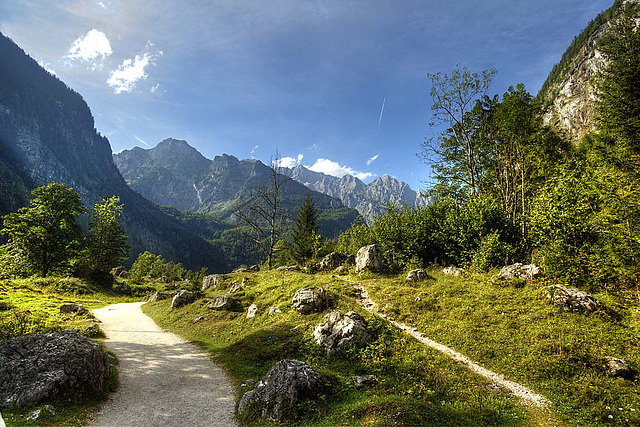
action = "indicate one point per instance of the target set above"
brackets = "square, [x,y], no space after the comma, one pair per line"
[183,298]
[308,300]
[519,271]
[571,299]
[37,368]
[417,275]
[339,332]
[331,261]
[222,302]
[289,268]
[212,281]
[159,296]
[277,395]
[235,287]
[370,258]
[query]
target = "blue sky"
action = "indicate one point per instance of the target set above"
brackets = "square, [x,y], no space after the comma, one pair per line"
[305,78]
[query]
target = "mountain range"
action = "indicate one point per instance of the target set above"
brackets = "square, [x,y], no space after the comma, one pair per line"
[173,173]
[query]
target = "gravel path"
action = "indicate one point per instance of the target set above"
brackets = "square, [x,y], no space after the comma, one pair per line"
[164,380]
[524,393]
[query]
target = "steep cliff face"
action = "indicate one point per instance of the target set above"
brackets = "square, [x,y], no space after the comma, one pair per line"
[47,134]
[570,93]
[370,200]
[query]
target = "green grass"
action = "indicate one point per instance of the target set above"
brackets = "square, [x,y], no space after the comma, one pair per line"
[511,328]
[33,305]
[415,385]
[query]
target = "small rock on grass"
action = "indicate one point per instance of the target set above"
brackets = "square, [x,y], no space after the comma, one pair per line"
[274,310]
[618,368]
[252,311]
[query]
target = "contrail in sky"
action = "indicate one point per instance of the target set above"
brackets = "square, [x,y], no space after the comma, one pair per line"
[381,112]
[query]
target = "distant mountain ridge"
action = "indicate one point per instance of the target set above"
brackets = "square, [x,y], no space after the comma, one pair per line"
[370,200]
[174,173]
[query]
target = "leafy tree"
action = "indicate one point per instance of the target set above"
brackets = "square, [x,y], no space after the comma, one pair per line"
[46,236]
[107,245]
[305,231]
[355,237]
[456,154]
[148,264]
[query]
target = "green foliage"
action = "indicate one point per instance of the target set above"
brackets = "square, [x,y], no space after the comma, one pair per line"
[107,241]
[355,237]
[305,232]
[45,237]
[446,232]
[148,264]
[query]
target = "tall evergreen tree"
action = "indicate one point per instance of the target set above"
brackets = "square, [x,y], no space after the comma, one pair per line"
[305,230]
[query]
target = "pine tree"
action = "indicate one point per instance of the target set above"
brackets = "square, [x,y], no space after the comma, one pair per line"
[305,231]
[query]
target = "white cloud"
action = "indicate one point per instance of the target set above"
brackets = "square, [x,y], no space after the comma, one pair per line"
[154,88]
[372,159]
[330,167]
[289,162]
[103,5]
[124,79]
[141,141]
[255,147]
[93,48]
[47,68]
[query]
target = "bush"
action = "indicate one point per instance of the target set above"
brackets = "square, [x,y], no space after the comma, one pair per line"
[491,252]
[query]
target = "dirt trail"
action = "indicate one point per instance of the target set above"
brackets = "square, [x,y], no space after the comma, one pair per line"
[164,380]
[518,390]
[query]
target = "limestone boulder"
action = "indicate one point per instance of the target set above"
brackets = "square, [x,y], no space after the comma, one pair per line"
[339,332]
[235,287]
[252,311]
[308,300]
[212,281]
[222,302]
[274,310]
[331,261]
[37,368]
[618,368]
[71,308]
[416,276]
[278,394]
[453,271]
[183,298]
[571,299]
[159,296]
[519,271]
[370,258]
